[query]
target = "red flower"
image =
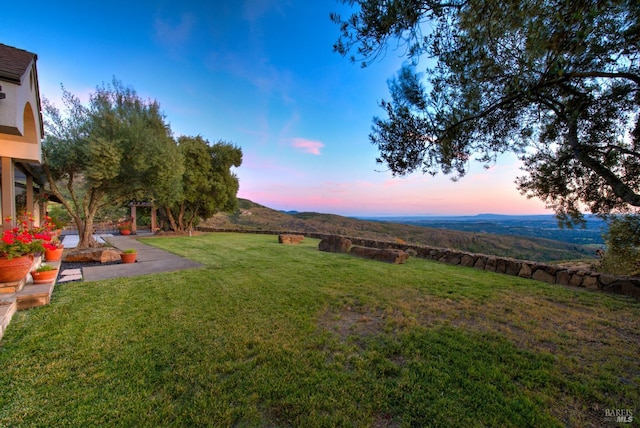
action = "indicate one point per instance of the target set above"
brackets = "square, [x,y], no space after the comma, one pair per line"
[50,246]
[23,239]
[45,236]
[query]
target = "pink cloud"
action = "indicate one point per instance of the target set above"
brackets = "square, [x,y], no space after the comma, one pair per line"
[308,146]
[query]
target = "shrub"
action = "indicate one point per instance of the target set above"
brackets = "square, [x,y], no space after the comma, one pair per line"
[622,255]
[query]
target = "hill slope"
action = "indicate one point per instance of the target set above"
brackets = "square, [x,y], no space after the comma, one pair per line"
[252,216]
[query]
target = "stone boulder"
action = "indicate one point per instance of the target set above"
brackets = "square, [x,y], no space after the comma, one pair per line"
[451,257]
[335,244]
[388,255]
[290,239]
[102,255]
[467,260]
[541,274]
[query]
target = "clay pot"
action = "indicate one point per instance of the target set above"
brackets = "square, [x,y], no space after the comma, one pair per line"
[44,277]
[128,257]
[16,268]
[53,255]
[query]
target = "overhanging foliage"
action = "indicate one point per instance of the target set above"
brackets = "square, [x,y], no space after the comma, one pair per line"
[557,82]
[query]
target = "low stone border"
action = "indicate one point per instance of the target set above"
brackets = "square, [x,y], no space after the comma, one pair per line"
[335,244]
[389,255]
[340,244]
[625,285]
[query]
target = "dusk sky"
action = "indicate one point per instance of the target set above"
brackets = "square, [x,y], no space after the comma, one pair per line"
[262,75]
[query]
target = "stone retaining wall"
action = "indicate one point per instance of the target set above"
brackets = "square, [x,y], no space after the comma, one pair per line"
[389,255]
[625,285]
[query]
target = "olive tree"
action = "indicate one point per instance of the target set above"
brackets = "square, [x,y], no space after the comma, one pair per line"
[116,148]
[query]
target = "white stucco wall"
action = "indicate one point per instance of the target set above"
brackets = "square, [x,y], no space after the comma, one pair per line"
[20,140]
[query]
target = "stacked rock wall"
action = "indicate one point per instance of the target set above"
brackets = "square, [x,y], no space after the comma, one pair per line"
[389,255]
[625,285]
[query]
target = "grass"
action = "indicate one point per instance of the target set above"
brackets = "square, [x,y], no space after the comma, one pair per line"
[284,335]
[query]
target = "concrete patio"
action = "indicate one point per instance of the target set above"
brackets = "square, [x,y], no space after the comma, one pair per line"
[149,260]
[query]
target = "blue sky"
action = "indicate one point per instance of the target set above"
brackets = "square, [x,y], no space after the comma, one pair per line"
[262,75]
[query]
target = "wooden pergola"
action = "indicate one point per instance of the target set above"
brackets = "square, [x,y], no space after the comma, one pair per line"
[134,225]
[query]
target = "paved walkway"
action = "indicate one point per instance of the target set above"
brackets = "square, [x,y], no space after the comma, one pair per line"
[70,241]
[150,260]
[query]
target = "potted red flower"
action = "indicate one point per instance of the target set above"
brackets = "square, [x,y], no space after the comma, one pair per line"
[53,248]
[125,227]
[17,248]
[53,251]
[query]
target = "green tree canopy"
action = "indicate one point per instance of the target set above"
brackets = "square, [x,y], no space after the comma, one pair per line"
[112,150]
[208,184]
[555,81]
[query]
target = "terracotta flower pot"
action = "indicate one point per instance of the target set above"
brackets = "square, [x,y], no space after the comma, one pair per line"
[125,232]
[53,255]
[44,277]
[128,257]
[16,268]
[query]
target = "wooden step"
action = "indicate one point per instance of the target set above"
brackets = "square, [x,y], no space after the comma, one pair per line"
[6,312]
[11,288]
[34,295]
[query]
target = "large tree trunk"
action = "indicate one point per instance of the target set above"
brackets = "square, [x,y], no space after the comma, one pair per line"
[181,218]
[85,227]
[172,220]
[84,223]
[90,206]
[85,232]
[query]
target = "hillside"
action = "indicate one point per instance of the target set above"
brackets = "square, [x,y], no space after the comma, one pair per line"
[252,216]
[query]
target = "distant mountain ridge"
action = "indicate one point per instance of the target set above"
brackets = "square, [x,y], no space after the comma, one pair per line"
[253,216]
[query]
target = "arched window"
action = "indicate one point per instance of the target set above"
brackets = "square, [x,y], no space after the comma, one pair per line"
[30,130]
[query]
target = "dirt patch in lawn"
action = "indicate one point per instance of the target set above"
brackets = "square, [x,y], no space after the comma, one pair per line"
[581,337]
[353,321]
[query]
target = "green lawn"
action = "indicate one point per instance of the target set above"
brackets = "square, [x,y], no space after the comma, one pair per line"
[277,335]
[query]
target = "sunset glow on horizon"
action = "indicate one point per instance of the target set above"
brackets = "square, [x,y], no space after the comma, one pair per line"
[491,191]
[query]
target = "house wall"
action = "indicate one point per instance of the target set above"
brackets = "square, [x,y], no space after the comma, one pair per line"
[21,136]
[20,126]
